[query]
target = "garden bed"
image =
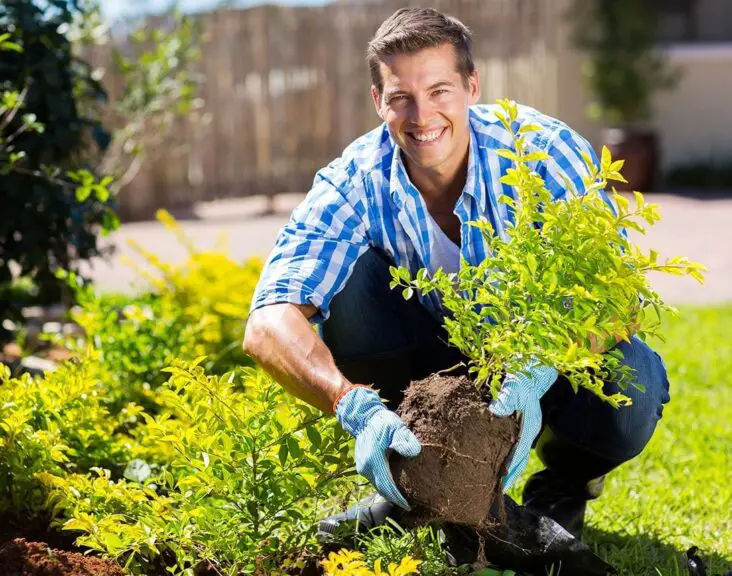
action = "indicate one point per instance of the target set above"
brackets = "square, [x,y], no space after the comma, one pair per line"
[22,558]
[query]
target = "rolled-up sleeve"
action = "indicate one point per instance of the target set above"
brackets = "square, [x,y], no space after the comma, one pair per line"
[316,250]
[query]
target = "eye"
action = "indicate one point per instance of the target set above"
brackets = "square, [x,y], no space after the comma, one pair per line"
[397,98]
[439,91]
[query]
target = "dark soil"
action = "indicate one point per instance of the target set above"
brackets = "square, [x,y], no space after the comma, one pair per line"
[457,476]
[21,558]
[35,529]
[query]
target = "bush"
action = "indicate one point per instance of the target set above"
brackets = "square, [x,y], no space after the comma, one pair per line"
[59,424]
[624,68]
[392,544]
[196,308]
[215,464]
[237,474]
[53,207]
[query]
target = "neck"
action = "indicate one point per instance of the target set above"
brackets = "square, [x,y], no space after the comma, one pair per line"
[441,184]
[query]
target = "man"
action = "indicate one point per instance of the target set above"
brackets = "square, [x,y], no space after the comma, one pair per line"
[403,194]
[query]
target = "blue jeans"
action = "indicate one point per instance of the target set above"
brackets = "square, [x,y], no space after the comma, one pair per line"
[377,337]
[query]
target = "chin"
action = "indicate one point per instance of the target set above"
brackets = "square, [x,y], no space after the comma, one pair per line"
[427,160]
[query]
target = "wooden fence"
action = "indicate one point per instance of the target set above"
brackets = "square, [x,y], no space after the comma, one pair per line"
[287,88]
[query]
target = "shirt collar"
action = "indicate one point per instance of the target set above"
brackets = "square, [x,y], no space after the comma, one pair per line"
[401,187]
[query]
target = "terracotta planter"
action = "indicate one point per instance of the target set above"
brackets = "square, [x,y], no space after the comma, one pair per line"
[640,150]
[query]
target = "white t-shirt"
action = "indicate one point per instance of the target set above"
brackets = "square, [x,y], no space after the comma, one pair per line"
[444,253]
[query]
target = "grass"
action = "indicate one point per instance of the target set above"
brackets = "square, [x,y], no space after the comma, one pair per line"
[678,491]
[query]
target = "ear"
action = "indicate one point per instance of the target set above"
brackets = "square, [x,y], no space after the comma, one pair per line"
[376,97]
[474,88]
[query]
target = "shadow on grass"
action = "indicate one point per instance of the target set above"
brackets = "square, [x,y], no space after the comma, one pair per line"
[644,555]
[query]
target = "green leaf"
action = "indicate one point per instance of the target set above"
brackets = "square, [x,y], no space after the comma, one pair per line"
[314,436]
[294,447]
[536,156]
[605,159]
[83,192]
[527,128]
[506,153]
[587,159]
[622,202]
[283,454]
[102,193]
[11,46]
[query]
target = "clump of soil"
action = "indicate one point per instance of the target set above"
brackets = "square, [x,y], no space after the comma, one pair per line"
[457,476]
[21,558]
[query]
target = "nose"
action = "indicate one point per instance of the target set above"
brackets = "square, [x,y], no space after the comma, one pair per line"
[421,111]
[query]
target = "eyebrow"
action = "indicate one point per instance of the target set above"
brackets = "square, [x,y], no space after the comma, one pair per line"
[439,84]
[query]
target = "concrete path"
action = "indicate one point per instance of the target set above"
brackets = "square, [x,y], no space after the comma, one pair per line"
[699,229]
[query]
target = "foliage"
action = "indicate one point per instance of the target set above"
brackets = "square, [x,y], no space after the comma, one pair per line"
[566,275]
[349,563]
[203,463]
[58,424]
[154,69]
[52,145]
[391,543]
[701,174]
[238,476]
[213,291]
[55,204]
[624,68]
[194,308]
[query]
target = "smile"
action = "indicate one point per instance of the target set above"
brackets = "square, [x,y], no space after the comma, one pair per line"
[426,137]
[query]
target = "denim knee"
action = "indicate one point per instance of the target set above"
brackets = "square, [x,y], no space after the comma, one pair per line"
[365,315]
[618,434]
[632,427]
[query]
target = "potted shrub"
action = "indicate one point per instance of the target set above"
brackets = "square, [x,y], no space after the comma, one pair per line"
[623,70]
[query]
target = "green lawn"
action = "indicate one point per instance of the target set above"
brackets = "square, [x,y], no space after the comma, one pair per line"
[678,492]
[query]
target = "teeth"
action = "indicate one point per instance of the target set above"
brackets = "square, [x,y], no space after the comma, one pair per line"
[427,136]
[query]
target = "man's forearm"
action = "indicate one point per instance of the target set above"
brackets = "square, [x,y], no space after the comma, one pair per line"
[282,340]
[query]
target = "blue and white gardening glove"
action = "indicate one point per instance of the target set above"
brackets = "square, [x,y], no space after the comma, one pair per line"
[377,430]
[521,393]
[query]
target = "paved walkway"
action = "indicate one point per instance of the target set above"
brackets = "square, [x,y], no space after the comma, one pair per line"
[699,229]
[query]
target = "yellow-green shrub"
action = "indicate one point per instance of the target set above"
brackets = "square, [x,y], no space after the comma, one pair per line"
[194,308]
[59,424]
[241,473]
[212,290]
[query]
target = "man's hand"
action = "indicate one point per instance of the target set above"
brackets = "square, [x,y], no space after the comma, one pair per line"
[377,430]
[521,393]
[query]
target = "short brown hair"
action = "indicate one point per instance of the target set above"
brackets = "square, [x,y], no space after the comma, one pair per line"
[409,30]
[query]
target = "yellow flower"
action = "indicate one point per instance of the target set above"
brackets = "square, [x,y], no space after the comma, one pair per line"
[350,563]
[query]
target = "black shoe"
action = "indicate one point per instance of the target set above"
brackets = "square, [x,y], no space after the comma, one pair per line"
[546,494]
[573,475]
[341,528]
[530,544]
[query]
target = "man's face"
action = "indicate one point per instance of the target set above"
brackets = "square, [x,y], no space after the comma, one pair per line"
[424,103]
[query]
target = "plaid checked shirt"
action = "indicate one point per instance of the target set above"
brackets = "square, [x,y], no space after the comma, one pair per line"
[365,198]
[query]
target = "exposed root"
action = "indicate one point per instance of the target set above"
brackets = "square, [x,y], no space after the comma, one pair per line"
[451,451]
